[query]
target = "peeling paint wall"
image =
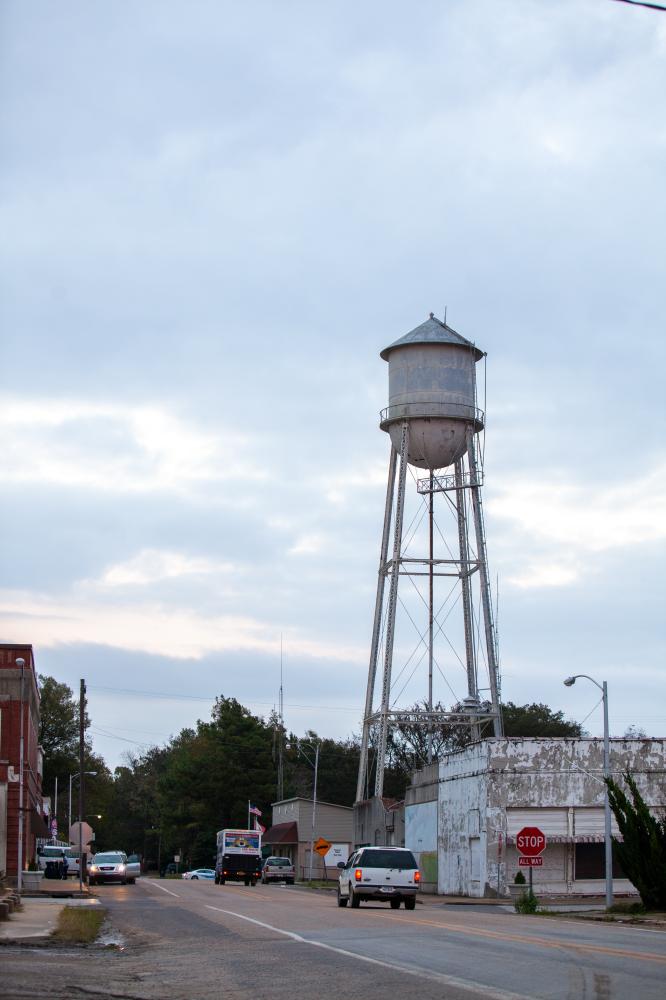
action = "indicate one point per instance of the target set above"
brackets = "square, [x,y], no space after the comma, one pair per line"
[491,788]
[421,839]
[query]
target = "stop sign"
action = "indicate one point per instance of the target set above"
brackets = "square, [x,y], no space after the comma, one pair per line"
[530,841]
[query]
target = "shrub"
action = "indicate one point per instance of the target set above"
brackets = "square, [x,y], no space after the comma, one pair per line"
[526,903]
[519,878]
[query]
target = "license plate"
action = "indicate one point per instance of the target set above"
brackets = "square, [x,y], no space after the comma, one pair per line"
[387,888]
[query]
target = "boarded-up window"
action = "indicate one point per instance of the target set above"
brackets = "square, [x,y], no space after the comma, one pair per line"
[591,862]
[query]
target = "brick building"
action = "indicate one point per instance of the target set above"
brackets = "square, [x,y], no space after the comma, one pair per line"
[19,712]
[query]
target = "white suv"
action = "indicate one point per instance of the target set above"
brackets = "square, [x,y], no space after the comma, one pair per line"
[384,873]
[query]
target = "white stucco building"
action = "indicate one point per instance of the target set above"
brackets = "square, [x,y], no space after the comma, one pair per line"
[462,813]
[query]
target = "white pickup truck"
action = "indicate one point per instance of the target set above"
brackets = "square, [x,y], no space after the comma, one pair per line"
[379,873]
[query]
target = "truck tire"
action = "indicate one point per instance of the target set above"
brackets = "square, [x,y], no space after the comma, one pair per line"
[217,880]
[395,904]
[253,882]
[353,898]
[410,902]
[342,901]
[221,882]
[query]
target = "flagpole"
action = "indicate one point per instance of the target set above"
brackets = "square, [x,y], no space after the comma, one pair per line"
[248,815]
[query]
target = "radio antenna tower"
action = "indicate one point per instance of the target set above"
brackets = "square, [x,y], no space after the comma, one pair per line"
[438,587]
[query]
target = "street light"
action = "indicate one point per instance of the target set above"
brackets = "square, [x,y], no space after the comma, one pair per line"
[608,842]
[313,763]
[93,774]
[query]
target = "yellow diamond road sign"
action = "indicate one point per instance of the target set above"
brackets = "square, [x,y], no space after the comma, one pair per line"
[322,846]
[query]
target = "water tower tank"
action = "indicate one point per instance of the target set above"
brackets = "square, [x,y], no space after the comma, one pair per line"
[432,385]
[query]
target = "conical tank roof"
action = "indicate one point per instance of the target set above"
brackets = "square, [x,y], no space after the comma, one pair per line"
[433,331]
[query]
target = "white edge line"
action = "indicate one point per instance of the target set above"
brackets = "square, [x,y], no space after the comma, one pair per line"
[440,977]
[158,886]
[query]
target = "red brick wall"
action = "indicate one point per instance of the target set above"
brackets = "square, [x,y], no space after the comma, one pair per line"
[11,709]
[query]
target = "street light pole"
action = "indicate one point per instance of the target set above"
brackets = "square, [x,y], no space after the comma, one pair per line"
[608,840]
[314,807]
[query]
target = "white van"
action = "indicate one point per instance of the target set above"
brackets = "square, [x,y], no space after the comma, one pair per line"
[389,874]
[54,852]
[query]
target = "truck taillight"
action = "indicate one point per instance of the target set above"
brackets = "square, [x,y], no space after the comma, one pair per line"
[417,876]
[358,874]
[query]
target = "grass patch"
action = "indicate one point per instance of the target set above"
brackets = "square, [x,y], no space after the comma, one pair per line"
[633,908]
[79,924]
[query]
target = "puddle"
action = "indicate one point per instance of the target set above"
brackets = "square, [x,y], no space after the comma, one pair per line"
[108,937]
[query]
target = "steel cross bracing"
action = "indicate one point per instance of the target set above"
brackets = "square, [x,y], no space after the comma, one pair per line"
[463,482]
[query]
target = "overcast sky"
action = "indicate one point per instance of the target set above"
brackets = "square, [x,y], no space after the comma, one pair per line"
[214,217]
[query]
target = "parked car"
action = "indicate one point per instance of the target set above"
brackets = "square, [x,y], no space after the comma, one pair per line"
[109,866]
[199,873]
[133,867]
[170,869]
[278,870]
[389,874]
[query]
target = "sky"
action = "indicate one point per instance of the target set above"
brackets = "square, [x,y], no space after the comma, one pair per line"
[213,217]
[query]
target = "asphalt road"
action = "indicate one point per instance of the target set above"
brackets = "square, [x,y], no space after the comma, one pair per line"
[197,940]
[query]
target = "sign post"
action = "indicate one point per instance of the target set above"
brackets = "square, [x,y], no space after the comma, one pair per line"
[531,843]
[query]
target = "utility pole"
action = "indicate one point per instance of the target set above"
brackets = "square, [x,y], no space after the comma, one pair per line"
[82,715]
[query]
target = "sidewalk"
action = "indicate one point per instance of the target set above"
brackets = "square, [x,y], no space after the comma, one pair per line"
[37,917]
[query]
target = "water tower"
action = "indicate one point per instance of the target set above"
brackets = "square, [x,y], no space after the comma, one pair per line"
[433,422]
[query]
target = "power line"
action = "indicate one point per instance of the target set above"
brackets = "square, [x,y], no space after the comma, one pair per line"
[643,3]
[210,698]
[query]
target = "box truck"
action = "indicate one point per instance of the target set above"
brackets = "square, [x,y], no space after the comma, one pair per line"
[238,856]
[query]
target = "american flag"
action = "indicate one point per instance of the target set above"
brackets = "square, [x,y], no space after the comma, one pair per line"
[253,811]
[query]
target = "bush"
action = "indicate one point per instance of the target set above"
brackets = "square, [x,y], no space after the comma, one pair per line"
[526,903]
[642,851]
[519,878]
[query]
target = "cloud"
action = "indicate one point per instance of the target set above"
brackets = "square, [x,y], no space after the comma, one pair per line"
[178,632]
[115,448]
[568,525]
[152,566]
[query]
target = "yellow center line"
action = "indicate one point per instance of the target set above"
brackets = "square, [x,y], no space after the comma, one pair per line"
[542,942]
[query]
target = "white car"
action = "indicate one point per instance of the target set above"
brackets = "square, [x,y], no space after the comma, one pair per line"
[199,873]
[386,874]
[108,866]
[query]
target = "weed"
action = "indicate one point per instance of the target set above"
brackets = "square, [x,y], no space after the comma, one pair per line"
[79,924]
[526,903]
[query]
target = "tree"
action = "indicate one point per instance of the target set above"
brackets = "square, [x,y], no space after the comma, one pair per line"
[642,851]
[537,720]
[59,739]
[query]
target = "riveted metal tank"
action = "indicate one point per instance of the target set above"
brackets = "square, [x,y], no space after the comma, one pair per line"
[432,385]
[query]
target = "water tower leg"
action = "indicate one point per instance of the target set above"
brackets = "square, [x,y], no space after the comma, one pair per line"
[491,650]
[376,628]
[390,618]
[465,570]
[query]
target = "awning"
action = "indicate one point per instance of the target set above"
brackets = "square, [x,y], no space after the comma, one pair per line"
[38,827]
[281,833]
[578,838]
